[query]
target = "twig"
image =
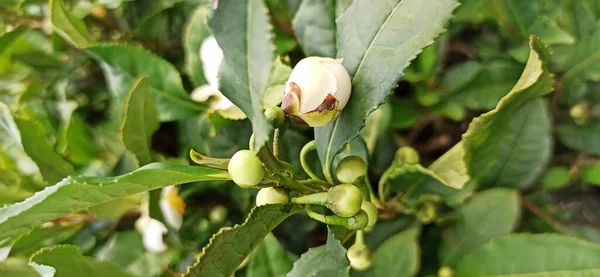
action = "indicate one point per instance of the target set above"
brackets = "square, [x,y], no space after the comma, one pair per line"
[546,217]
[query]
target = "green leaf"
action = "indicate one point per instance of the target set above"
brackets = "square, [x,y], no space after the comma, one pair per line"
[248,58]
[326,260]
[591,173]
[127,250]
[370,33]
[11,143]
[526,255]
[398,256]
[580,138]
[459,75]
[451,167]
[583,63]
[196,30]
[123,64]
[490,214]
[315,28]
[510,145]
[229,247]
[139,121]
[68,261]
[269,259]
[69,26]
[77,193]
[557,177]
[41,150]
[17,267]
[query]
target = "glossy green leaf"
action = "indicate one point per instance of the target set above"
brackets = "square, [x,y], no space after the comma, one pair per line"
[325,260]
[526,255]
[583,63]
[369,34]
[510,145]
[123,64]
[77,193]
[68,25]
[490,214]
[269,259]
[139,121]
[68,261]
[580,138]
[248,58]
[229,247]
[196,31]
[315,27]
[398,256]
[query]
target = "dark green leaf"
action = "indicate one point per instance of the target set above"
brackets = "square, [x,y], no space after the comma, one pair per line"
[315,27]
[488,215]
[76,193]
[580,138]
[398,256]
[67,261]
[139,121]
[532,255]
[248,58]
[269,259]
[68,26]
[229,247]
[326,260]
[195,32]
[370,33]
[583,63]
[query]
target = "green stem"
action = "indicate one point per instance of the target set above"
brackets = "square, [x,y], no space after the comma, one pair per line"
[251,142]
[327,219]
[277,143]
[360,238]
[208,161]
[281,172]
[317,184]
[311,146]
[320,198]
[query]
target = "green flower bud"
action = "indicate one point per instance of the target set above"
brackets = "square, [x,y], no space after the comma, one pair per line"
[350,169]
[267,196]
[407,155]
[245,169]
[344,200]
[371,211]
[316,91]
[357,222]
[218,214]
[580,113]
[275,116]
[360,256]
[426,213]
[445,272]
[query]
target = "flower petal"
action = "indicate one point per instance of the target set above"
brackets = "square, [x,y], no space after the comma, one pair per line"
[211,56]
[315,80]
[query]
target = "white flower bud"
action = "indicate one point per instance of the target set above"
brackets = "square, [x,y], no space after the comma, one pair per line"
[267,196]
[317,90]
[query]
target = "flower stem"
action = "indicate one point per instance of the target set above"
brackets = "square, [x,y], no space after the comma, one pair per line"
[208,161]
[316,184]
[320,198]
[281,172]
[311,146]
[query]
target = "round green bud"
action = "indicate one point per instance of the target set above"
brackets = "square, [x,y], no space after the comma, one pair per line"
[360,256]
[344,200]
[350,169]
[358,222]
[445,272]
[407,155]
[371,211]
[580,113]
[426,213]
[267,196]
[245,169]
[218,214]
[275,116]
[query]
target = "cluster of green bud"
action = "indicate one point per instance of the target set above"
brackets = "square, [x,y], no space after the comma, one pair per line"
[246,169]
[272,195]
[350,169]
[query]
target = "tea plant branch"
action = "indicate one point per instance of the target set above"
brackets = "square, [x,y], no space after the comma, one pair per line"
[281,172]
[543,215]
[208,161]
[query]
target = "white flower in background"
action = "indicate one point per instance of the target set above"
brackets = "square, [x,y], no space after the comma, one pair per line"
[212,56]
[317,90]
[4,251]
[172,208]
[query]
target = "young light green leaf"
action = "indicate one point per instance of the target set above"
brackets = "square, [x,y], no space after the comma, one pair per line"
[580,138]
[68,26]
[526,255]
[490,214]
[196,30]
[229,247]
[123,64]
[451,167]
[243,31]
[325,260]
[139,121]
[77,193]
[591,173]
[398,256]
[68,261]
[315,27]
[11,144]
[510,145]
[370,32]
[269,259]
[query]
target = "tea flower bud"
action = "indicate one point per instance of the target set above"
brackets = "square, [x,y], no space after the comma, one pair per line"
[267,196]
[357,222]
[407,155]
[218,214]
[350,169]
[316,91]
[360,256]
[345,200]
[371,211]
[245,169]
